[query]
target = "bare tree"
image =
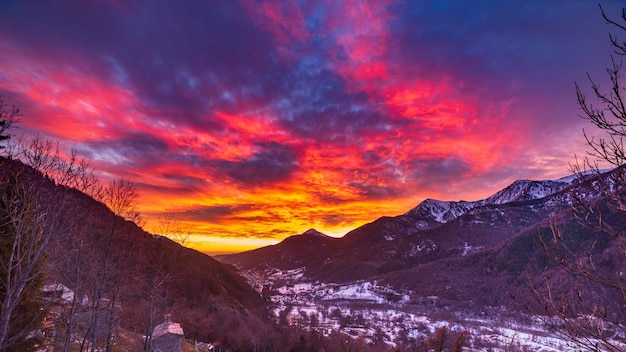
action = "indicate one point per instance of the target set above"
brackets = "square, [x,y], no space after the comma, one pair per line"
[120,196]
[30,219]
[74,269]
[591,310]
[8,117]
[69,169]
[36,210]
[610,117]
[21,225]
[171,227]
[153,286]
[33,212]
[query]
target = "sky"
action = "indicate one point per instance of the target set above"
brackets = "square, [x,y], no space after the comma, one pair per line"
[250,121]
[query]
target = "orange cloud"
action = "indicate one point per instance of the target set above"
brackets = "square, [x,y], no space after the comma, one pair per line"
[266,118]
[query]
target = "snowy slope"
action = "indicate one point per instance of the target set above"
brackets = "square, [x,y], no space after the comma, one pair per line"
[520,190]
[441,211]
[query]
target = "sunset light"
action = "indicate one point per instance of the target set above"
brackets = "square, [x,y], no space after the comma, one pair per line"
[251,121]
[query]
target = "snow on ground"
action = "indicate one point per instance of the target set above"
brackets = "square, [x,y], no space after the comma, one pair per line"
[467,249]
[62,291]
[295,289]
[361,291]
[368,309]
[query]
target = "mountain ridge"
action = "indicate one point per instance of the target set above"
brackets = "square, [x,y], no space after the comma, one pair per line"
[148,275]
[519,190]
[429,232]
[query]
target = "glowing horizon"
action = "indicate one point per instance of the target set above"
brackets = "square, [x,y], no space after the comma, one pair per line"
[252,121]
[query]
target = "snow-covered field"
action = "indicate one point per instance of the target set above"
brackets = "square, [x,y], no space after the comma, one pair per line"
[374,311]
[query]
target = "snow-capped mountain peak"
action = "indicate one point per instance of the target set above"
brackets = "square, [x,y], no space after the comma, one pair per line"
[441,211]
[520,190]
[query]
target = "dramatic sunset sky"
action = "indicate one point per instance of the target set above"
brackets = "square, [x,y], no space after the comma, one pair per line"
[256,120]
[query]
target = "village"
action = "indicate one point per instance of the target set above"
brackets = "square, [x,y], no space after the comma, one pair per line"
[375,312]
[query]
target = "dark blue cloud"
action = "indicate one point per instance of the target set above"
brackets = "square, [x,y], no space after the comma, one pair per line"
[182,59]
[215,214]
[132,149]
[445,172]
[524,52]
[273,163]
[501,71]
[192,59]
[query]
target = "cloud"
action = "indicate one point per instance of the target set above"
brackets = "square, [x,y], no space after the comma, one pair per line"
[272,163]
[215,213]
[133,149]
[303,113]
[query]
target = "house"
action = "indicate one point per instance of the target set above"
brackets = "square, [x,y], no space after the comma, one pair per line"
[57,293]
[167,336]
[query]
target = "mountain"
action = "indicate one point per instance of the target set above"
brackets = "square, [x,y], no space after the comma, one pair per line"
[463,263]
[295,251]
[502,274]
[441,211]
[520,190]
[138,276]
[429,235]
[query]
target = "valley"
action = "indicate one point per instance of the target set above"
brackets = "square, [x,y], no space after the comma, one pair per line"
[446,275]
[312,176]
[471,274]
[378,313]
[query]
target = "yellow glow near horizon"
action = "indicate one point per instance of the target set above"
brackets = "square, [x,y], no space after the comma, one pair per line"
[220,245]
[252,148]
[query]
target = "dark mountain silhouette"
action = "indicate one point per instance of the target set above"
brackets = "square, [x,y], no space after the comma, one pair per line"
[299,250]
[468,254]
[480,251]
[208,298]
[432,230]
[501,275]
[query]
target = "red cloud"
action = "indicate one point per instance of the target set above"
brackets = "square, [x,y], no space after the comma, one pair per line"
[294,116]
